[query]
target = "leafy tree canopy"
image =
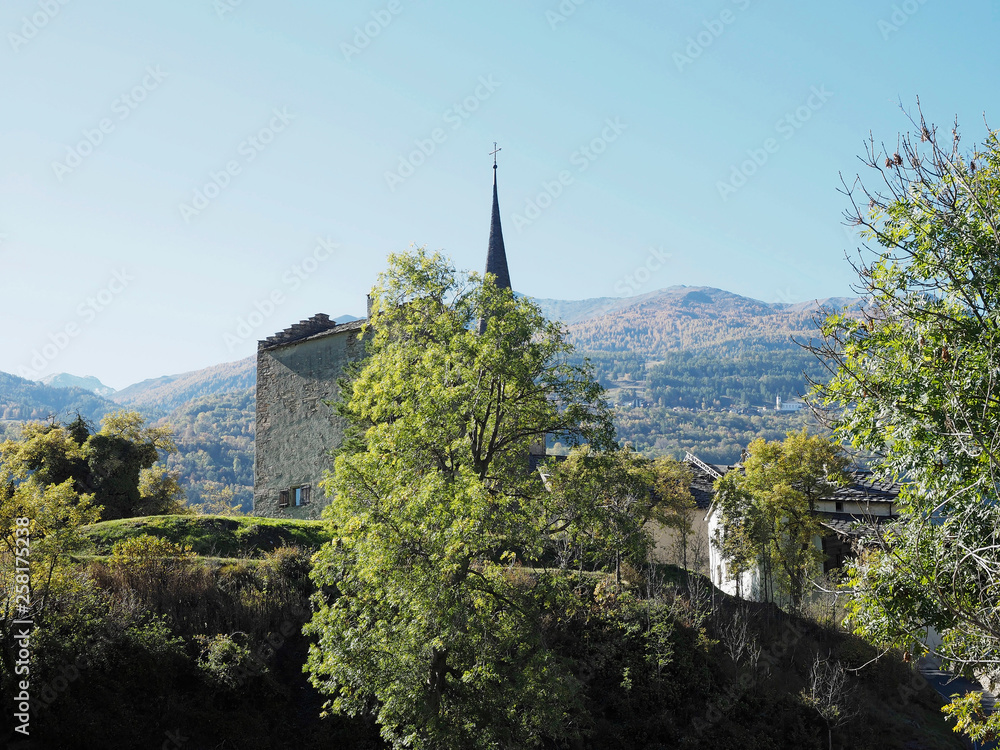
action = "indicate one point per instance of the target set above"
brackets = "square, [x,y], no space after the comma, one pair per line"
[432,622]
[115,466]
[768,510]
[917,380]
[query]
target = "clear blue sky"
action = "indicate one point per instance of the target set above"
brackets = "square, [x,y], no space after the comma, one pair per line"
[102,265]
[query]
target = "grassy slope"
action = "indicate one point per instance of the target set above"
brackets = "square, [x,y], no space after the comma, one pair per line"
[214,536]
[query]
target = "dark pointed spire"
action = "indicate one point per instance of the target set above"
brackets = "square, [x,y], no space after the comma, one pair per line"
[496,257]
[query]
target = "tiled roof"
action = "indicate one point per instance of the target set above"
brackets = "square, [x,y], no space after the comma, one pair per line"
[315,327]
[702,487]
[853,525]
[864,488]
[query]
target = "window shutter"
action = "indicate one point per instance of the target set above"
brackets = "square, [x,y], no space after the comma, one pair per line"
[305,495]
[283,499]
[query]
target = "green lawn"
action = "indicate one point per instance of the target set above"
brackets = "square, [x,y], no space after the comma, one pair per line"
[212,536]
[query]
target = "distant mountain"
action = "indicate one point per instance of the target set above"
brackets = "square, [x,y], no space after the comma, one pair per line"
[687,318]
[88,383]
[173,391]
[22,400]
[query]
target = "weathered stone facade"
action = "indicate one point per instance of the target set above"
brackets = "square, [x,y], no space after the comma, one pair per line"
[297,373]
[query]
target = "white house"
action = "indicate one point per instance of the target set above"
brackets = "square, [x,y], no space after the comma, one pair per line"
[852,511]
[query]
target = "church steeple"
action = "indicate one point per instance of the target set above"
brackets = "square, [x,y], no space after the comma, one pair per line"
[496,256]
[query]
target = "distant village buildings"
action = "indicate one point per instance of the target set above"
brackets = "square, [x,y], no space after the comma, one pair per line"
[780,405]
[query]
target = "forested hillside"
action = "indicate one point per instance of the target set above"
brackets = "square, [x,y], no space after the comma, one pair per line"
[700,380]
[685,318]
[22,400]
[714,436]
[214,432]
[172,391]
[214,436]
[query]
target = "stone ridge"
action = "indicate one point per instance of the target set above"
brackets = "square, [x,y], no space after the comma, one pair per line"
[302,330]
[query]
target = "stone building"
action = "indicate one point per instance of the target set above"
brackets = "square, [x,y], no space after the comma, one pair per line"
[297,374]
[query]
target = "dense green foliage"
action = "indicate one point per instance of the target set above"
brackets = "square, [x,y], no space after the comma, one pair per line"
[434,630]
[605,502]
[714,436]
[917,380]
[115,467]
[155,643]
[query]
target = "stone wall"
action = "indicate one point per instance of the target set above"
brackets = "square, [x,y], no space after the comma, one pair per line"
[296,429]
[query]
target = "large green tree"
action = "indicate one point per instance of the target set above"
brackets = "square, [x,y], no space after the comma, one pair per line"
[607,501]
[117,465]
[916,385]
[769,510]
[435,580]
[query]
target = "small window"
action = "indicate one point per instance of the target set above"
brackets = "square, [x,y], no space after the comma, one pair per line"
[283,499]
[840,506]
[301,495]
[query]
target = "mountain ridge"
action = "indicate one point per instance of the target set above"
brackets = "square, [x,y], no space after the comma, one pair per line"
[168,392]
[674,308]
[87,382]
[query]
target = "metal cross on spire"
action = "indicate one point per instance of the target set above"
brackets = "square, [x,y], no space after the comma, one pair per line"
[494,153]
